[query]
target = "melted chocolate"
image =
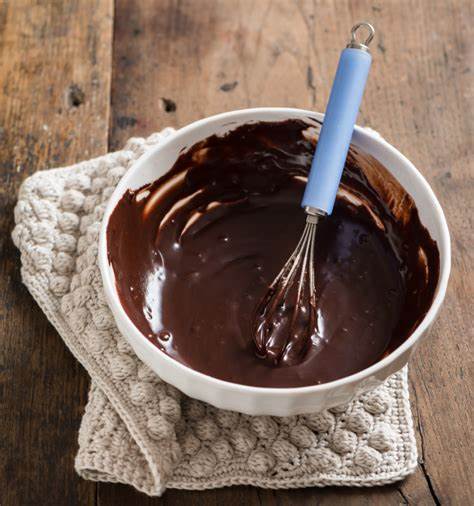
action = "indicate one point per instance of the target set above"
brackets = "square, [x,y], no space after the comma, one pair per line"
[195,251]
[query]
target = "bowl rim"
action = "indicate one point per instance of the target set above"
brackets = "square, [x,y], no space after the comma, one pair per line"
[444,245]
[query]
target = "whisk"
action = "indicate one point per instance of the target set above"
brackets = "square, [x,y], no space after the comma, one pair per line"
[286,319]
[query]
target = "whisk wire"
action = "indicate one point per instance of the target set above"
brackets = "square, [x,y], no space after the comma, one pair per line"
[273,310]
[312,284]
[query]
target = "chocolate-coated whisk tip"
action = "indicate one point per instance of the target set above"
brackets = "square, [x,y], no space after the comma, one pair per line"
[286,317]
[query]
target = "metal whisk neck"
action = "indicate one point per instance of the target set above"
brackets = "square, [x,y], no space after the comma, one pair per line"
[312,219]
[313,214]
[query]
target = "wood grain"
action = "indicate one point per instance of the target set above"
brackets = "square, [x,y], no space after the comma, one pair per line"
[209,56]
[175,61]
[55,66]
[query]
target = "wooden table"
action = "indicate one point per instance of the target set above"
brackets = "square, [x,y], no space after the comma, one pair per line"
[78,77]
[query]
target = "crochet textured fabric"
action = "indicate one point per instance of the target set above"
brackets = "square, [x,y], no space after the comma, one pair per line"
[138,430]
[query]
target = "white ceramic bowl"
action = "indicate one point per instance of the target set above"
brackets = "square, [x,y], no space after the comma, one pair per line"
[274,401]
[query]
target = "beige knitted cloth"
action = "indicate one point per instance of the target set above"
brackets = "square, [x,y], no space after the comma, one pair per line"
[137,429]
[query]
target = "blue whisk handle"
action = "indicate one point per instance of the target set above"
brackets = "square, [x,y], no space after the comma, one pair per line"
[338,125]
